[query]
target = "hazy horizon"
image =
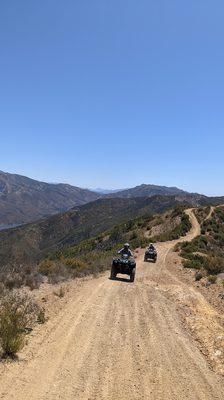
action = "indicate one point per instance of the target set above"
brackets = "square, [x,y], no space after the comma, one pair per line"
[100,188]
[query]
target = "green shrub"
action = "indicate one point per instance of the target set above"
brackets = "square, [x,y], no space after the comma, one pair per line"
[194,264]
[214,265]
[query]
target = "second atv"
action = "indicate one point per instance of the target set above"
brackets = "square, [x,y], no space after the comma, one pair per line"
[150,255]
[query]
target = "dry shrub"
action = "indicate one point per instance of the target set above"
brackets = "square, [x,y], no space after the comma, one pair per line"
[46,267]
[32,281]
[17,313]
[2,289]
[198,275]
[214,265]
[212,279]
[74,264]
[60,293]
[17,276]
[41,317]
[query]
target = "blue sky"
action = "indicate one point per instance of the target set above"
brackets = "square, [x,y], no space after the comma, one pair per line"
[113,93]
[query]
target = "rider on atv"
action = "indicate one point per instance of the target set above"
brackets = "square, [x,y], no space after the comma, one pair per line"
[126,250]
[152,247]
[151,253]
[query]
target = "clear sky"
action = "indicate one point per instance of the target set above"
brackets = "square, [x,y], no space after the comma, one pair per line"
[102,93]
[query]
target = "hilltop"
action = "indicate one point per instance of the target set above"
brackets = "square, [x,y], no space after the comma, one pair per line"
[148,190]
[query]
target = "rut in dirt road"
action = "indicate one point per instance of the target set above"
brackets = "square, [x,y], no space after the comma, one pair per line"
[115,340]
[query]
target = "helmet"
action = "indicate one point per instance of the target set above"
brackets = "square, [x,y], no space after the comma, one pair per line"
[127,245]
[150,244]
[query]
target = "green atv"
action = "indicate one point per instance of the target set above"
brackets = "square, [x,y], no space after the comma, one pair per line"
[123,265]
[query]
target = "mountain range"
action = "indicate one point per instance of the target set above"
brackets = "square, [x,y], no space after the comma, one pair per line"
[24,200]
[148,190]
[106,191]
[80,213]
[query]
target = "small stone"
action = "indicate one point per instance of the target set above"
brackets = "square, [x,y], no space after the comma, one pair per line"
[218,353]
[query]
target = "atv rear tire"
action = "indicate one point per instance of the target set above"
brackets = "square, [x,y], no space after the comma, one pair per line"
[113,272]
[132,275]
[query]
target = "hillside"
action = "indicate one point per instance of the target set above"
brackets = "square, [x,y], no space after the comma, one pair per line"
[24,200]
[32,242]
[206,252]
[94,255]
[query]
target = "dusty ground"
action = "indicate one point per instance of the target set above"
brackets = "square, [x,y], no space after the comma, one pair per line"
[117,340]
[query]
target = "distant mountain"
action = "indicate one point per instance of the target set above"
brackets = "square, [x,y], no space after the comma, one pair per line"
[148,190]
[107,191]
[194,199]
[23,199]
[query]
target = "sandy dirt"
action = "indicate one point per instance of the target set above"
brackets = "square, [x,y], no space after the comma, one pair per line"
[118,340]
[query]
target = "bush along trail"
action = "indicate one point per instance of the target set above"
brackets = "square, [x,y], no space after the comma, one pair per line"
[156,338]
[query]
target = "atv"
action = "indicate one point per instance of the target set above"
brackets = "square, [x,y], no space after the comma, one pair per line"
[150,255]
[123,265]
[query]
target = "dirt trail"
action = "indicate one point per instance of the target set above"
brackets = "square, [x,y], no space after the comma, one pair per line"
[115,341]
[212,209]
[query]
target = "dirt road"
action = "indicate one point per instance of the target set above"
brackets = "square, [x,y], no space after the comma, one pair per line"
[114,340]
